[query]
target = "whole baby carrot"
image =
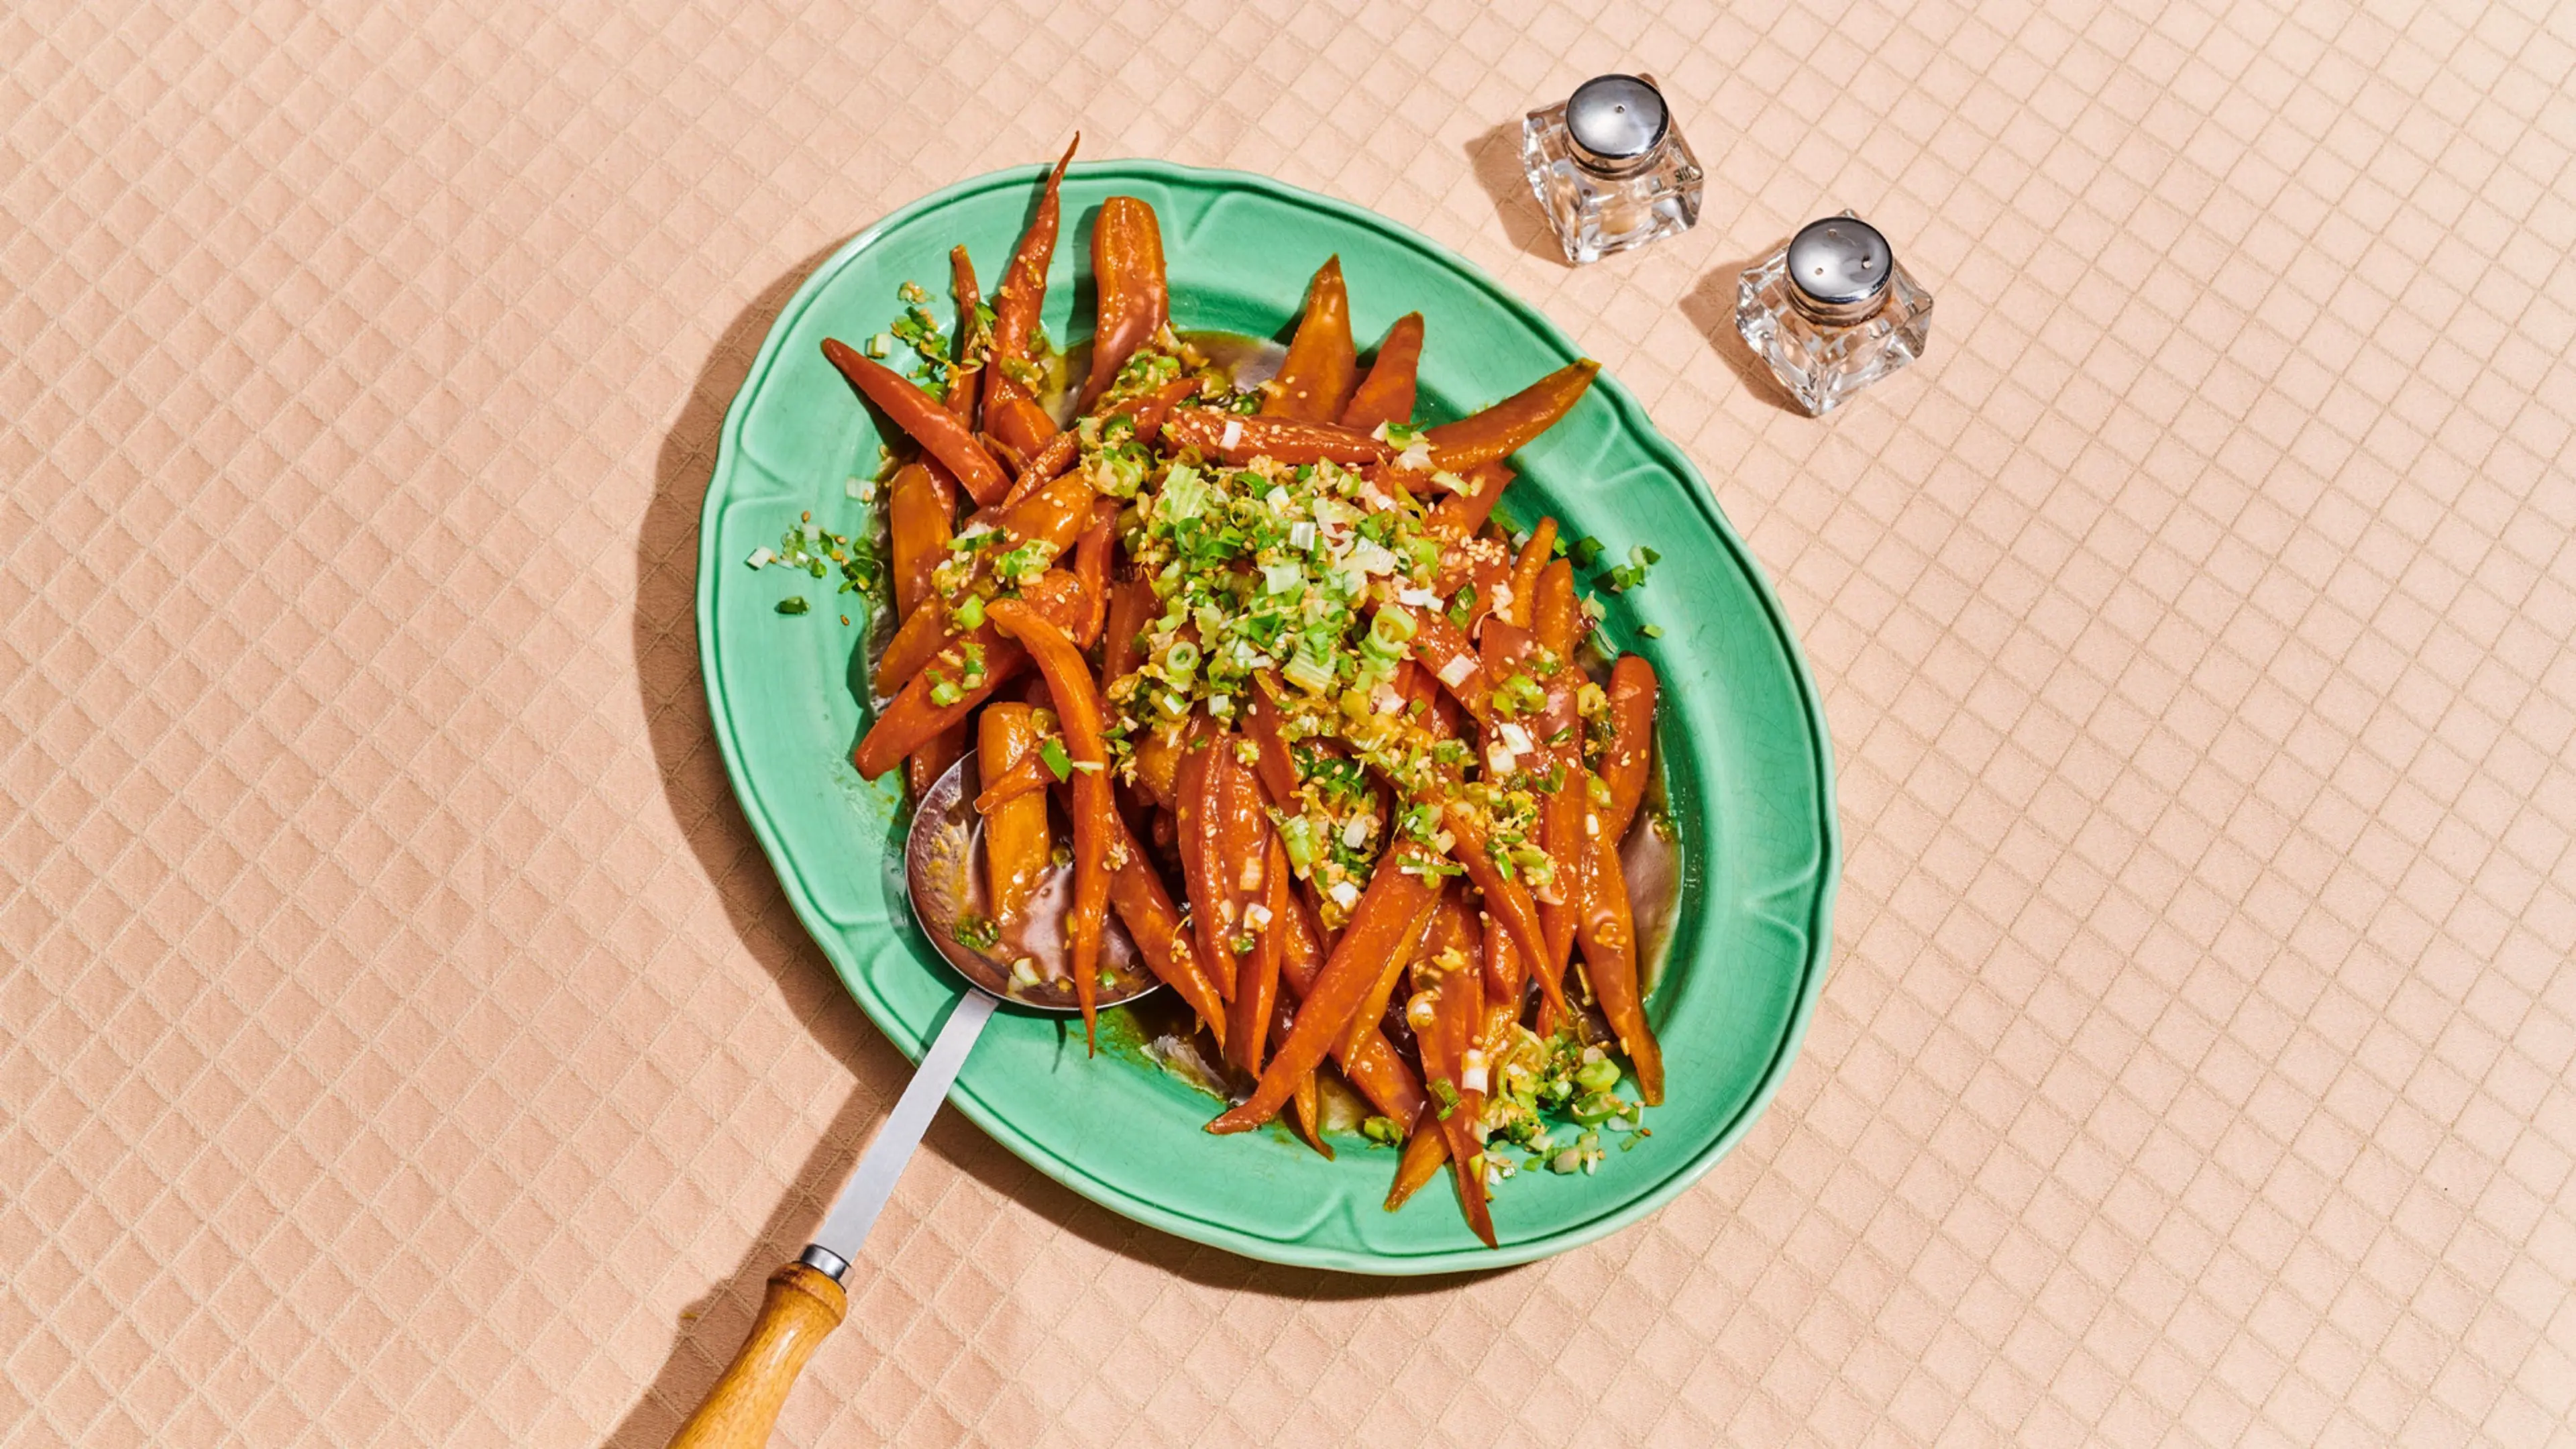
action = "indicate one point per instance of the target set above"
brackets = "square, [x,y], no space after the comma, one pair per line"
[1609,932]
[933,632]
[1022,294]
[1016,837]
[1077,708]
[1154,924]
[1322,367]
[916,716]
[1512,423]
[935,428]
[1238,439]
[1386,394]
[1389,915]
[1135,299]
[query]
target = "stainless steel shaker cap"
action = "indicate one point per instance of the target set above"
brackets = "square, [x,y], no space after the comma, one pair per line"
[1616,121]
[1839,268]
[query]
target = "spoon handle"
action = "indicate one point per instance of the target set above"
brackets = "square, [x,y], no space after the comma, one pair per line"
[805,1301]
[803,1306]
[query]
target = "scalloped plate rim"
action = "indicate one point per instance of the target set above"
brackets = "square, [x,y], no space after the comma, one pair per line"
[1818,929]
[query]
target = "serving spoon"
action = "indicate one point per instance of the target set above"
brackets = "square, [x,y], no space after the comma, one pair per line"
[944,876]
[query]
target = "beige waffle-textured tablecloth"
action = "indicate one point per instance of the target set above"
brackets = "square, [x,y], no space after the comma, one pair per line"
[402,1041]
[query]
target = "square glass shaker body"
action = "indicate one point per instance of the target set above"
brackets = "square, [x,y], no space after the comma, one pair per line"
[1594,214]
[1821,364]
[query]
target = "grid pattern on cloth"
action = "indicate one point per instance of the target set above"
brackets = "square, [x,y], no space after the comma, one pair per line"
[405,1043]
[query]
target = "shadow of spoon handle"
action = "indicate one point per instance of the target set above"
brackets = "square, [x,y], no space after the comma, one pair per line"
[805,1301]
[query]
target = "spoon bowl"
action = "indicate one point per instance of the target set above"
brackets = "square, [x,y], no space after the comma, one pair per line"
[1025,965]
[943,867]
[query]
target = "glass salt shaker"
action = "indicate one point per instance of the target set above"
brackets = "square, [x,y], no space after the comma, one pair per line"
[1609,169]
[1832,312]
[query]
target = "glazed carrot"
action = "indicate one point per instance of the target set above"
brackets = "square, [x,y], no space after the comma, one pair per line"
[1386,396]
[1243,830]
[1132,606]
[1305,1105]
[1011,411]
[1239,834]
[931,633]
[1158,771]
[1376,1068]
[1154,924]
[921,513]
[1238,439]
[1077,708]
[1503,977]
[1609,932]
[1450,927]
[1198,806]
[1512,423]
[1438,1014]
[1503,648]
[914,717]
[1091,565]
[1482,561]
[1425,1152]
[1053,516]
[1569,896]
[1305,1108]
[1372,1007]
[1553,615]
[924,421]
[1389,912]
[1201,870]
[1526,569]
[1017,842]
[1457,516]
[1505,896]
[922,637]
[1256,991]
[1135,299]
[1151,409]
[1042,468]
[1442,650]
[1460,1012]
[1026,776]
[1322,367]
[974,339]
[1022,295]
[1012,417]
[1056,513]
[1632,735]
[923,767]
[1441,716]
[921,510]
[1561,811]
[1277,766]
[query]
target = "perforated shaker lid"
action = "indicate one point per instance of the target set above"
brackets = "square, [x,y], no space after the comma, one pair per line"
[1616,121]
[1839,268]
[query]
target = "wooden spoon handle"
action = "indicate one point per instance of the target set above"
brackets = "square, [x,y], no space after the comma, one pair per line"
[802,1307]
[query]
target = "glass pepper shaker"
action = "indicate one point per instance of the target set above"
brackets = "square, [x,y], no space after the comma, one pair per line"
[1609,169]
[1832,312]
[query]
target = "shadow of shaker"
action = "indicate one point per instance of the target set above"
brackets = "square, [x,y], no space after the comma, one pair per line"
[1710,306]
[1495,157]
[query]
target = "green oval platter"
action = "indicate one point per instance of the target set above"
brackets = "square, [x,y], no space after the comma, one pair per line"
[1747,766]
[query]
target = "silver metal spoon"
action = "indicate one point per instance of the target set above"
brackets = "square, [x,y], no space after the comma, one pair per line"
[945,879]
